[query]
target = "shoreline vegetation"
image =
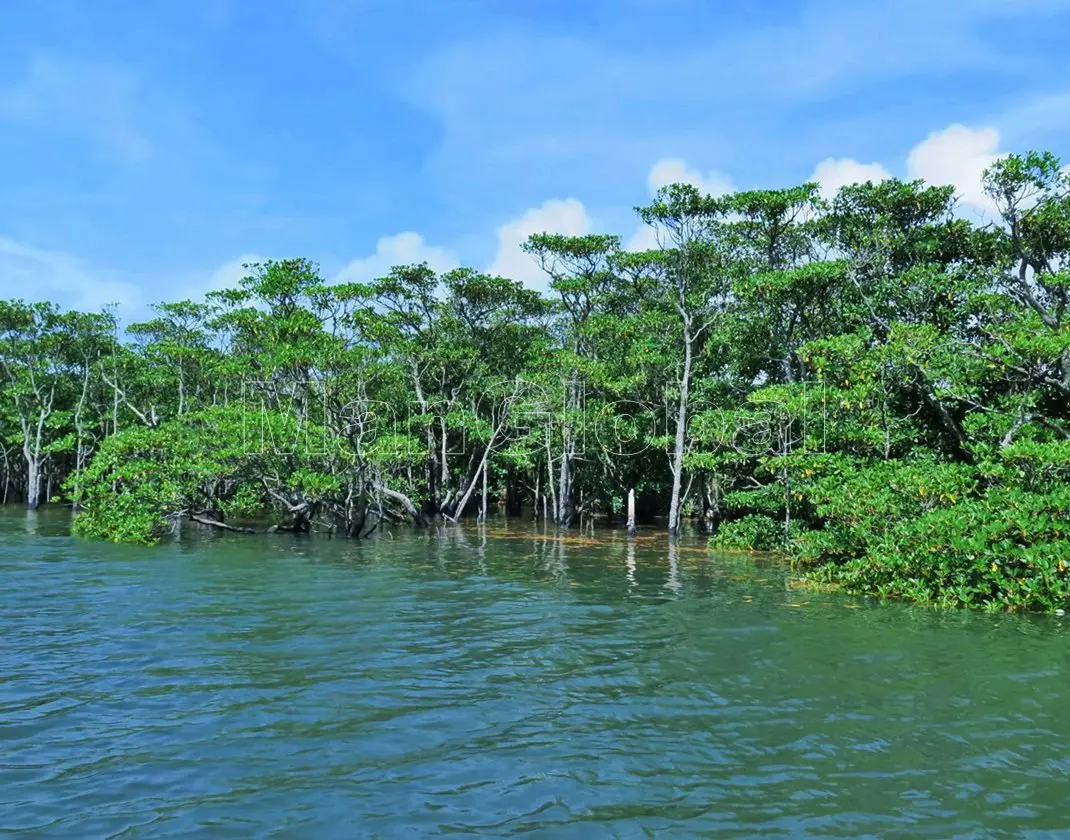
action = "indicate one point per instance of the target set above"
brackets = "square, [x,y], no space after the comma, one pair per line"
[870,384]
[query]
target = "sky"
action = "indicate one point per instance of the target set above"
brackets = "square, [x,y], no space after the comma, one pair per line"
[148,149]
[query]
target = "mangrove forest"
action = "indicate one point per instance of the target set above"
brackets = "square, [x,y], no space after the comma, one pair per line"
[874,384]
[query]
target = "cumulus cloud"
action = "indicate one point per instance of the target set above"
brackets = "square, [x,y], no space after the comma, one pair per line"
[37,274]
[833,173]
[230,273]
[676,171]
[227,275]
[401,249]
[567,216]
[957,156]
[645,238]
[668,171]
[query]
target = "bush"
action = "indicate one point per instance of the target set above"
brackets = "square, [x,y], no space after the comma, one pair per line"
[1005,549]
[753,532]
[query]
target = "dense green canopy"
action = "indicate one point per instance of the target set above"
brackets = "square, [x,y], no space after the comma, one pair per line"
[873,383]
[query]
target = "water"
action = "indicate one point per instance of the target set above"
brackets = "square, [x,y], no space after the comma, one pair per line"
[506,684]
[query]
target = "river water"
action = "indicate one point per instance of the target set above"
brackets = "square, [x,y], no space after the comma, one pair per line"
[505,683]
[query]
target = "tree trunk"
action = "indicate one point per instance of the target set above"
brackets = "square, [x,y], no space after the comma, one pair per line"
[482,467]
[563,512]
[564,484]
[7,476]
[483,510]
[549,481]
[512,494]
[710,503]
[678,447]
[631,511]
[33,483]
[443,467]
[404,501]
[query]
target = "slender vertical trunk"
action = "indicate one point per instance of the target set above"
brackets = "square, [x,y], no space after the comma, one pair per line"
[181,389]
[430,467]
[512,493]
[33,483]
[79,463]
[472,484]
[443,465]
[681,427]
[565,480]
[483,464]
[483,511]
[549,479]
[79,456]
[7,475]
[115,398]
[631,511]
[786,478]
[563,514]
[431,483]
[31,448]
[710,502]
[564,469]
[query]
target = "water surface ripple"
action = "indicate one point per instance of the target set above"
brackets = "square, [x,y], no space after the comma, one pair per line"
[505,683]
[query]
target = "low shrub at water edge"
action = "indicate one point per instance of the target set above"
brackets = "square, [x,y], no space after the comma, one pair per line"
[997,548]
[753,532]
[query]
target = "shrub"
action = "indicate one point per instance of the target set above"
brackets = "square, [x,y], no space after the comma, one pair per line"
[1004,550]
[753,532]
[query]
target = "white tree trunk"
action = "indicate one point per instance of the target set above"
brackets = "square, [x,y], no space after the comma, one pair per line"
[678,447]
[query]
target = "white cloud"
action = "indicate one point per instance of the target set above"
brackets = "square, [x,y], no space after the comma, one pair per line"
[833,173]
[95,101]
[676,171]
[668,171]
[227,275]
[35,274]
[645,238]
[957,156]
[230,273]
[567,216]
[403,248]
[814,53]
[38,275]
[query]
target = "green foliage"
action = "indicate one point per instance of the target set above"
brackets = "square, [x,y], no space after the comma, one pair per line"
[752,532]
[1004,550]
[141,477]
[870,383]
[857,502]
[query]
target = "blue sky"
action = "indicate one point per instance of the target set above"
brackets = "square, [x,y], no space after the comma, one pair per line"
[146,149]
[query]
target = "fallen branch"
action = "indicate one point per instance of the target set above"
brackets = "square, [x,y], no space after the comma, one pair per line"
[405,502]
[203,520]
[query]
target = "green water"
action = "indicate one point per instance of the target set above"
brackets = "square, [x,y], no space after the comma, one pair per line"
[504,684]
